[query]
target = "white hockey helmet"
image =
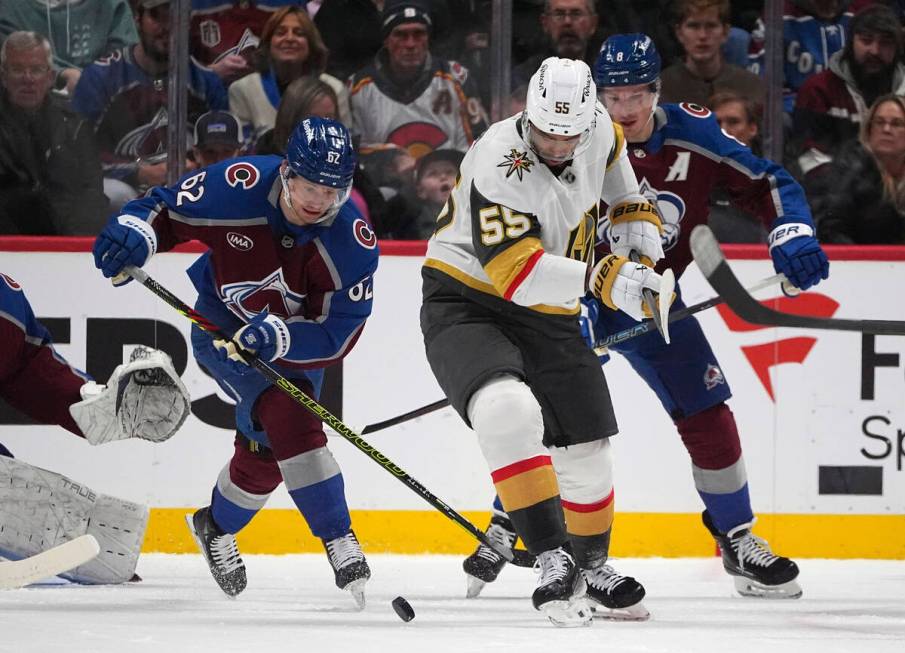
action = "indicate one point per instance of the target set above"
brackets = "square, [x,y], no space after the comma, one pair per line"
[562,101]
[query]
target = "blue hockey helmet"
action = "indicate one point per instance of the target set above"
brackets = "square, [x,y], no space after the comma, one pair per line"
[320,150]
[627,60]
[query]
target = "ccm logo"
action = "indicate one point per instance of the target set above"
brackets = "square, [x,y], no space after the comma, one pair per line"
[239,242]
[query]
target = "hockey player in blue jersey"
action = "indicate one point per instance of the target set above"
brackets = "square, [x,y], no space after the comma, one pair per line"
[288,275]
[680,154]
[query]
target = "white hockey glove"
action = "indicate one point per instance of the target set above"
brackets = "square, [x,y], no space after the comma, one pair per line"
[144,398]
[617,282]
[636,226]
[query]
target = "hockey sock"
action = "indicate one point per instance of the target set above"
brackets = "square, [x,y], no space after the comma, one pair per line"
[530,495]
[316,485]
[243,486]
[711,438]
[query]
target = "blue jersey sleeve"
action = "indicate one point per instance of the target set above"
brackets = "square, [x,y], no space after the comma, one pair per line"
[755,184]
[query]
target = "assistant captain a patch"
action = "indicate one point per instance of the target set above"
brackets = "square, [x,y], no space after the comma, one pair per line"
[713,377]
[517,162]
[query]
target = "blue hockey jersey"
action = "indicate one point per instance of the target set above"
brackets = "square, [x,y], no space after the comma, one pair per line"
[686,158]
[317,278]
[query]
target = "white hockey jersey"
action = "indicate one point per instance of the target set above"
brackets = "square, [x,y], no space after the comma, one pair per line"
[511,224]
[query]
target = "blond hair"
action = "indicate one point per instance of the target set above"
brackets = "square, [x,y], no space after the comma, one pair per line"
[893,188]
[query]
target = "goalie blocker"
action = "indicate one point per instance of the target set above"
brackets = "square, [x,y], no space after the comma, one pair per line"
[144,398]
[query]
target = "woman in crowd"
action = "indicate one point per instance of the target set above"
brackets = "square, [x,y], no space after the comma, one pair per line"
[291,48]
[306,96]
[862,198]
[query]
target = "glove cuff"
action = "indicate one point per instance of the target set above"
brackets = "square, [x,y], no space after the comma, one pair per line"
[281,331]
[786,232]
[143,228]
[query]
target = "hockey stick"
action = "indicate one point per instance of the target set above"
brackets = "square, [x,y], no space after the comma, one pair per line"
[659,312]
[713,265]
[59,559]
[647,326]
[613,339]
[316,409]
[399,419]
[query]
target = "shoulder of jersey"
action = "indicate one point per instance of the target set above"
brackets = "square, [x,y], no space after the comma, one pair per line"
[691,122]
[245,173]
[351,232]
[8,283]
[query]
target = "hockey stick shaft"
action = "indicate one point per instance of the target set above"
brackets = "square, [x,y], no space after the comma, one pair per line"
[59,559]
[399,419]
[613,339]
[316,409]
[710,259]
[647,326]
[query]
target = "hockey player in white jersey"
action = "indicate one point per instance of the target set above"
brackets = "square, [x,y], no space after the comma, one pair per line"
[511,255]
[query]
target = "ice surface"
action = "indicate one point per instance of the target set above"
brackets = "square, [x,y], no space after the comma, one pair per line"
[292,605]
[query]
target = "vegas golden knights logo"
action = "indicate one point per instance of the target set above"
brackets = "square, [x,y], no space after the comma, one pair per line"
[581,238]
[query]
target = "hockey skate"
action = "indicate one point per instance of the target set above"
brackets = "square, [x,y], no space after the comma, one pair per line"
[614,596]
[756,570]
[349,566]
[560,591]
[485,564]
[220,550]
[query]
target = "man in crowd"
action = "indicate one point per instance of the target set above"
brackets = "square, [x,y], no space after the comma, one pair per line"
[50,174]
[217,138]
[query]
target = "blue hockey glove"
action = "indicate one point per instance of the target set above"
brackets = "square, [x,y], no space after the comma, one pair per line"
[587,321]
[798,255]
[265,336]
[126,240]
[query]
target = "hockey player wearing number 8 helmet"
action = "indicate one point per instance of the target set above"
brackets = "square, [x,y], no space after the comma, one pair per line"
[288,276]
[682,155]
[505,269]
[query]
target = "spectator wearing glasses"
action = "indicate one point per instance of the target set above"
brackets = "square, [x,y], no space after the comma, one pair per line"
[50,175]
[569,27]
[831,105]
[702,27]
[78,32]
[862,199]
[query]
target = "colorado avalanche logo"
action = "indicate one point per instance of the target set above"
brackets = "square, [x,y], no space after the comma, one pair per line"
[12,283]
[248,298]
[363,234]
[242,174]
[713,377]
[671,208]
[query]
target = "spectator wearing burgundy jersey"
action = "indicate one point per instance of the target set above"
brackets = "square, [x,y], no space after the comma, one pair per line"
[831,105]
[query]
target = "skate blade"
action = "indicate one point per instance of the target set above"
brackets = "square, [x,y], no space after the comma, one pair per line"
[357,588]
[751,588]
[635,612]
[473,586]
[568,614]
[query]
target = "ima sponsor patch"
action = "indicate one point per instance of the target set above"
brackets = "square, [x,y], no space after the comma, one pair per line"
[242,174]
[713,377]
[364,234]
[239,241]
[516,162]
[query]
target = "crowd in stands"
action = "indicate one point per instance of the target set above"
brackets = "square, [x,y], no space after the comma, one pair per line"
[84,115]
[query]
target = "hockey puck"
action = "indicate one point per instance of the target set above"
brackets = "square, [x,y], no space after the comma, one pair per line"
[403,609]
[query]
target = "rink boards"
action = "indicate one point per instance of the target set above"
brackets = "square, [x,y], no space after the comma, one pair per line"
[821,416]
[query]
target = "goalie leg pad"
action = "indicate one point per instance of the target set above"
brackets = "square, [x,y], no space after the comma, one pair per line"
[144,398]
[40,509]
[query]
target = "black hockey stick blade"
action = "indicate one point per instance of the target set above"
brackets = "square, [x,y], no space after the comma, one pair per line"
[709,257]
